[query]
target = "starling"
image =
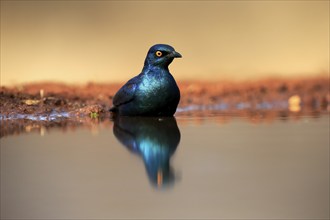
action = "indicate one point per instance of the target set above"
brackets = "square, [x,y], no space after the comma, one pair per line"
[154,91]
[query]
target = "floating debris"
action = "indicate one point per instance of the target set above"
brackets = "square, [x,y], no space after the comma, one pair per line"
[31,102]
[294,103]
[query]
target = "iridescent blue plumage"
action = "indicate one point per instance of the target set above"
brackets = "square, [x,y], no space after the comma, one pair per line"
[154,91]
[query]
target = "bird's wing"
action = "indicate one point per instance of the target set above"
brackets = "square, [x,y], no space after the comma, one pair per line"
[126,93]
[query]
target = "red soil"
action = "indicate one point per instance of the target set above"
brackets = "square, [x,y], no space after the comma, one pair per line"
[41,98]
[308,96]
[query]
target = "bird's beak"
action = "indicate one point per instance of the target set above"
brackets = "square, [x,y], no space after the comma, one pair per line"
[176,54]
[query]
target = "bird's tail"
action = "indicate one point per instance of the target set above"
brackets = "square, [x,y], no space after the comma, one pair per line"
[113,109]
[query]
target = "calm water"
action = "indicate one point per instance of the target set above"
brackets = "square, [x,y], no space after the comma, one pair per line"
[192,167]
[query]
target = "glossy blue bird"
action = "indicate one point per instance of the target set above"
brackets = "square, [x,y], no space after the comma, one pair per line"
[154,91]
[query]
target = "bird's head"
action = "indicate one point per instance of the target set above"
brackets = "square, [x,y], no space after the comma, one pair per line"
[161,55]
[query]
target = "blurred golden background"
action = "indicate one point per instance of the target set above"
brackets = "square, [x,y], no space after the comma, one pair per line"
[106,41]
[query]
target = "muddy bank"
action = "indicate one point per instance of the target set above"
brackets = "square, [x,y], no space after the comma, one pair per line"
[94,99]
[43,106]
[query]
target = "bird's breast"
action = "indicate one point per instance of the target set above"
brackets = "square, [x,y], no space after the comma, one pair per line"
[157,88]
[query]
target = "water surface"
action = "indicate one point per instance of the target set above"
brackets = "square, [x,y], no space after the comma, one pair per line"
[207,166]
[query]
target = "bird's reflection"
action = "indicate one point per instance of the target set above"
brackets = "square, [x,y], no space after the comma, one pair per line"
[154,139]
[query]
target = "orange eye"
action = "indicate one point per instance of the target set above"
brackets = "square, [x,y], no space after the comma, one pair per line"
[158,53]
